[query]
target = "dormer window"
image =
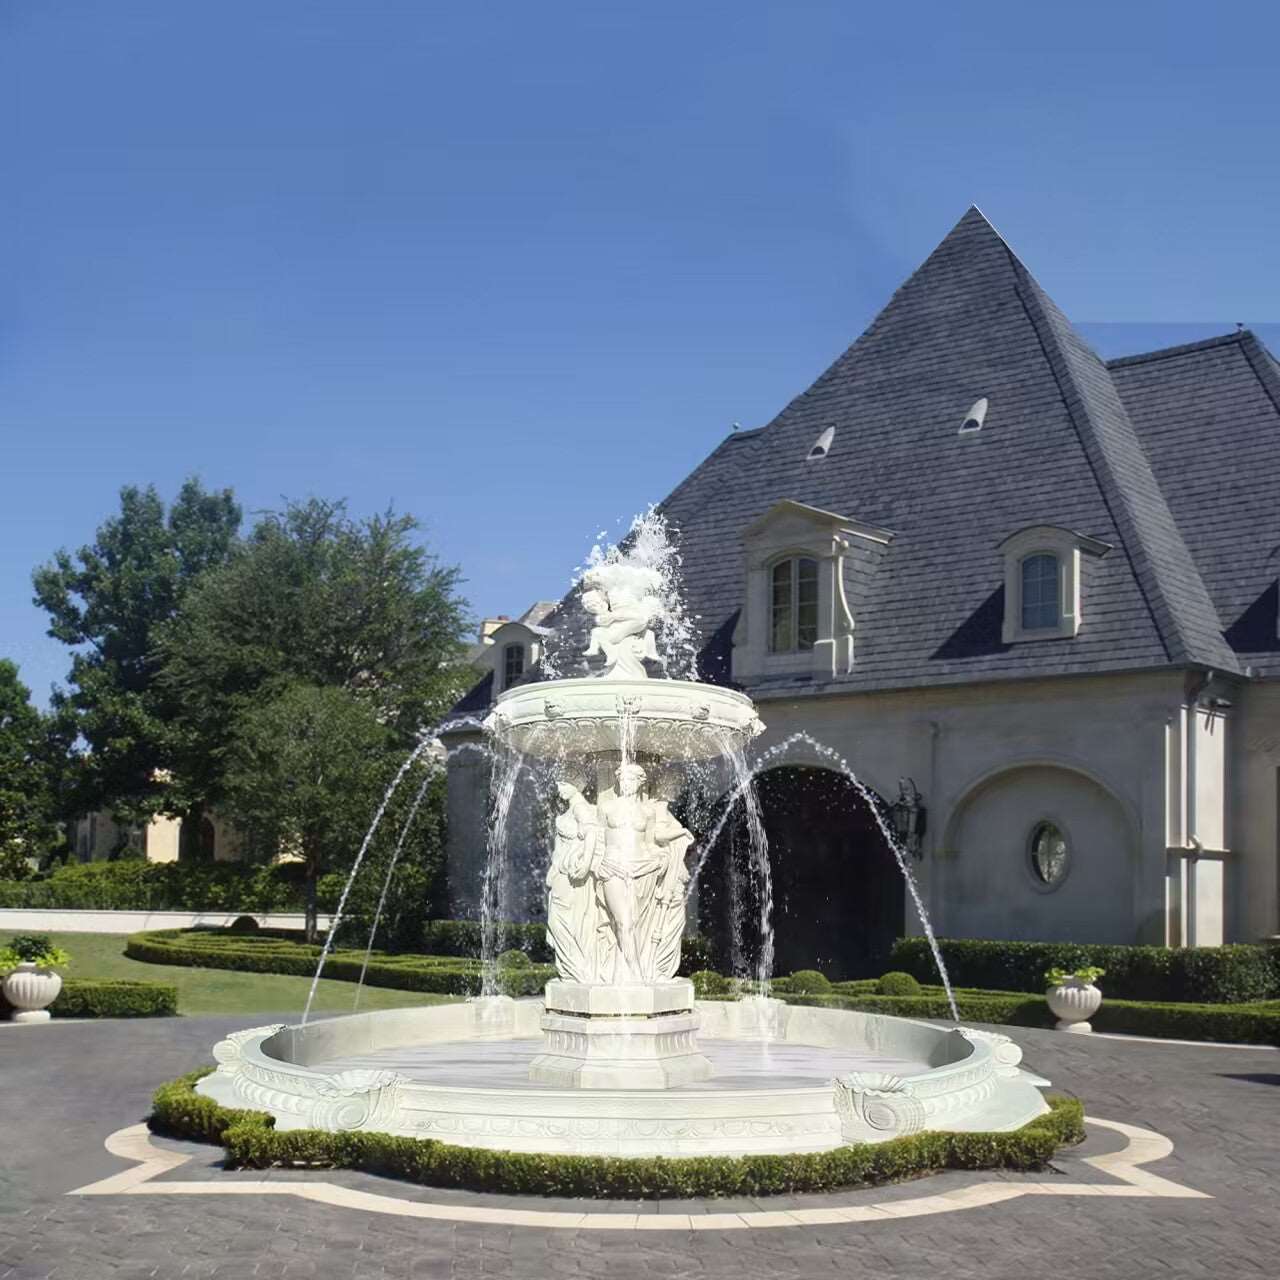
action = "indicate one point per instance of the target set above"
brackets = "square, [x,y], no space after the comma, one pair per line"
[1042,589]
[1040,575]
[512,664]
[795,621]
[794,605]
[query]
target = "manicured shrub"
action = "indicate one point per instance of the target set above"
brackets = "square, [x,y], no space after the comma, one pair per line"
[1257,1023]
[514,959]
[137,885]
[244,924]
[709,985]
[90,998]
[897,984]
[465,938]
[268,953]
[808,982]
[1233,974]
[251,1141]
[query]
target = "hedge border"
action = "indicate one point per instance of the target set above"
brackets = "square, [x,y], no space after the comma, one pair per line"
[251,1141]
[439,975]
[1237,973]
[110,998]
[1257,1023]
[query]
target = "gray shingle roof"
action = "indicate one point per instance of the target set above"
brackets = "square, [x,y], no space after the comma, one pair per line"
[1209,414]
[1057,448]
[1171,458]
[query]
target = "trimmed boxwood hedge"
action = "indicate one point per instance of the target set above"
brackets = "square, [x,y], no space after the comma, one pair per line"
[133,884]
[103,998]
[269,953]
[1234,974]
[251,1141]
[464,937]
[1256,1023]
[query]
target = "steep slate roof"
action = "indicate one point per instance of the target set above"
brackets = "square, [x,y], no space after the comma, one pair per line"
[1057,447]
[1209,415]
[1172,458]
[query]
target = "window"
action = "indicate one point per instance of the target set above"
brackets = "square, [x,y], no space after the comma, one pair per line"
[1049,855]
[1043,581]
[794,605]
[512,664]
[1040,607]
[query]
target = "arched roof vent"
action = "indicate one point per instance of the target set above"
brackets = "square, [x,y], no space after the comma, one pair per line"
[821,446]
[976,416]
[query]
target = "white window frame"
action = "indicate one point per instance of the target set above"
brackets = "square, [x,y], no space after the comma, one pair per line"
[1049,540]
[507,649]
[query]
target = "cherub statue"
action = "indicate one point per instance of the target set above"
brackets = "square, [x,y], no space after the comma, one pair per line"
[622,629]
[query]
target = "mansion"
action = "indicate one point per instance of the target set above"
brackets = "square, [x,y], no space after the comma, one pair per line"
[1030,595]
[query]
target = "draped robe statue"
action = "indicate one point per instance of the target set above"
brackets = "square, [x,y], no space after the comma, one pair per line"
[571,895]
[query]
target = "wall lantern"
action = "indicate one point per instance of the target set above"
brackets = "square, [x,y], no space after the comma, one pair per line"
[908,815]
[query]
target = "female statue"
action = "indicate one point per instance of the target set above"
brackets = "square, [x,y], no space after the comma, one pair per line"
[673,839]
[571,907]
[627,872]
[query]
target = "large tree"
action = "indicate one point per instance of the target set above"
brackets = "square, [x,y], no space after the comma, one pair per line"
[28,778]
[305,773]
[313,597]
[107,601]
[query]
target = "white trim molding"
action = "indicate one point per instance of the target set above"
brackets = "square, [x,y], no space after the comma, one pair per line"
[795,529]
[1067,547]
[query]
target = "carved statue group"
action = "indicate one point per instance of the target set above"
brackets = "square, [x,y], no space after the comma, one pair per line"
[623,606]
[616,884]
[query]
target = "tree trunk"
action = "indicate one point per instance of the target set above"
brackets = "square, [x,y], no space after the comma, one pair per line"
[310,925]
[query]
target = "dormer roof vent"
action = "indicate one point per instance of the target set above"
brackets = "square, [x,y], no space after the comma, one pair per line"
[821,446]
[976,416]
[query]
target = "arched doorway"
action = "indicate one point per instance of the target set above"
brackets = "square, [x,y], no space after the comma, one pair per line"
[838,895]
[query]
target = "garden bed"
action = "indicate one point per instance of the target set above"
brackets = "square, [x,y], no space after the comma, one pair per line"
[265,952]
[250,1140]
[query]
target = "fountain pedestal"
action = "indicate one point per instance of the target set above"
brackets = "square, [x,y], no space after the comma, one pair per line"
[631,1036]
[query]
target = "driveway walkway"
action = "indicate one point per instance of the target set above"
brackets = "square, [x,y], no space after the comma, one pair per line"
[65,1089]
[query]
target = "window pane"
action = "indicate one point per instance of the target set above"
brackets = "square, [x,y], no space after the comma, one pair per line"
[806,604]
[780,633]
[514,662]
[780,637]
[1049,854]
[1039,592]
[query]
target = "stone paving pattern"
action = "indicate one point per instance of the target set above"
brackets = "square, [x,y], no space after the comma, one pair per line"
[66,1087]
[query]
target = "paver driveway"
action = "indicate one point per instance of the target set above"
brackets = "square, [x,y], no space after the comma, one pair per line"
[65,1088]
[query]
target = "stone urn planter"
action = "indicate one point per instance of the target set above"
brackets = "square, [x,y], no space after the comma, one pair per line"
[31,989]
[1073,1001]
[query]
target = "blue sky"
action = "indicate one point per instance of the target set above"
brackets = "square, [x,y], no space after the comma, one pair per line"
[516,268]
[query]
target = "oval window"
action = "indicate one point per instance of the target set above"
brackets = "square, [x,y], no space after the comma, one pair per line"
[1049,855]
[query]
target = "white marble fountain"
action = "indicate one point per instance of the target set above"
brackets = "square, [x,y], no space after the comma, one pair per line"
[620,1058]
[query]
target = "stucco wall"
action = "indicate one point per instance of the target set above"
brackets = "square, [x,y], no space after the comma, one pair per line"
[1253,798]
[990,761]
[1118,761]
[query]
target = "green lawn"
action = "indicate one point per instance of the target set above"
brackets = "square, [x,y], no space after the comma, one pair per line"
[101,955]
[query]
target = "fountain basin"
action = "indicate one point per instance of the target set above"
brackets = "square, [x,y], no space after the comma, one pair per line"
[674,719]
[459,1074]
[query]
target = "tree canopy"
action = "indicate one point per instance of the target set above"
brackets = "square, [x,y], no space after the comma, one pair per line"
[28,778]
[305,773]
[313,597]
[107,601]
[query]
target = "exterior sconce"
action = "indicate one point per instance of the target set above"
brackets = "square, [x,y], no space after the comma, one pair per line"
[908,815]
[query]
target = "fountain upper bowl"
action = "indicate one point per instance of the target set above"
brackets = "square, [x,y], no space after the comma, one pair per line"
[673,719]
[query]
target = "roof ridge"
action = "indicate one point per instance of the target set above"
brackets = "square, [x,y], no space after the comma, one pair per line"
[1182,349]
[1129,489]
[1263,364]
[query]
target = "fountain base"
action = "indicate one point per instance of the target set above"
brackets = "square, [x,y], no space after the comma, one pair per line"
[632,1036]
